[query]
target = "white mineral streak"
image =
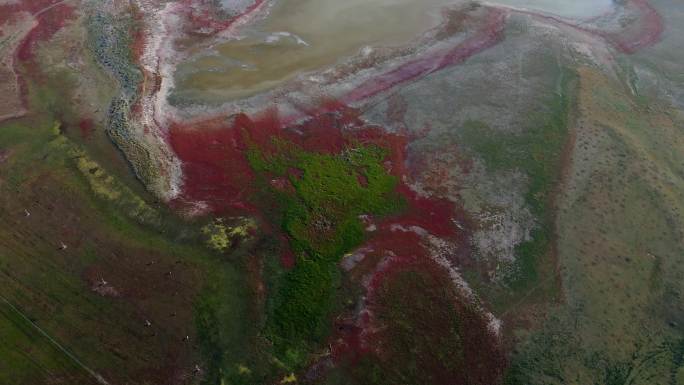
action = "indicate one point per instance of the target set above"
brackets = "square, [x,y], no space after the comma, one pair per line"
[155,62]
[277,36]
[159,60]
[351,260]
[440,251]
[366,316]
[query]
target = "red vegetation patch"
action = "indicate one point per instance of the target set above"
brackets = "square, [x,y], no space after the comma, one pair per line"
[287,257]
[51,15]
[363,180]
[428,333]
[215,165]
[643,32]
[4,155]
[432,214]
[203,17]
[86,126]
[218,173]
[416,324]
[488,34]
[214,152]
[138,36]
[646,31]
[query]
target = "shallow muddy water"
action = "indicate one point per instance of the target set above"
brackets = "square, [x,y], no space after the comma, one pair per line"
[304,35]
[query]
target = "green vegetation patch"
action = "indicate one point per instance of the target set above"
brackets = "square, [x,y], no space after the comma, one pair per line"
[103,184]
[27,355]
[321,197]
[63,187]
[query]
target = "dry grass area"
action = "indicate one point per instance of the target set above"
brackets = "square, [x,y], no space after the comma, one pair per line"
[90,284]
[620,232]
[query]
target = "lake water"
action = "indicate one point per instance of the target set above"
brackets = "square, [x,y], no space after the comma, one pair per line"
[305,35]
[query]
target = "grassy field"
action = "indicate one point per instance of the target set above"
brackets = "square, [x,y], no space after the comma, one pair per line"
[320,213]
[59,323]
[29,355]
[620,249]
